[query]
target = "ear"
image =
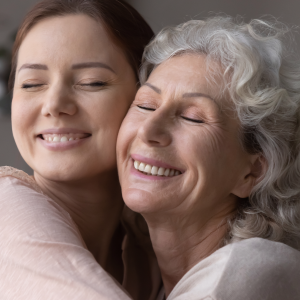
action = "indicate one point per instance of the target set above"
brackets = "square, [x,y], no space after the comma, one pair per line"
[253,174]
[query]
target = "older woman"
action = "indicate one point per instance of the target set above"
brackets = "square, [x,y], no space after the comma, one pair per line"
[74,76]
[209,155]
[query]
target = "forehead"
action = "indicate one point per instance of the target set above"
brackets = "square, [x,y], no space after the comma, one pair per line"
[188,71]
[68,38]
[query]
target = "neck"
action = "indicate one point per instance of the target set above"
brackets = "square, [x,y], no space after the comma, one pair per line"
[180,246]
[95,205]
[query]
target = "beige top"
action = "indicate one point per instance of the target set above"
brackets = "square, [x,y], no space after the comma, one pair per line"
[253,269]
[42,254]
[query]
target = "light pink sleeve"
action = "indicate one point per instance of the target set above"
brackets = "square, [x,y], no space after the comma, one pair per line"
[251,269]
[42,255]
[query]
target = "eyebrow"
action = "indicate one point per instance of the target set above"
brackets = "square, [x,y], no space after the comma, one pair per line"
[88,65]
[74,67]
[154,88]
[34,66]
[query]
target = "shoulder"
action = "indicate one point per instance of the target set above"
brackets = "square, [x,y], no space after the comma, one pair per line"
[263,257]
[258,268]
[7,173]
[26,212]
[257,252]
[42,253]
[17,190]
[250,269]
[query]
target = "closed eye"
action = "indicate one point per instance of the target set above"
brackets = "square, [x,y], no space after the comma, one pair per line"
[95,84]
[192,120]
[146,108]
[28,86]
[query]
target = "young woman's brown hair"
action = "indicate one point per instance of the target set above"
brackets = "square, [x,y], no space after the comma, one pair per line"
[127,26]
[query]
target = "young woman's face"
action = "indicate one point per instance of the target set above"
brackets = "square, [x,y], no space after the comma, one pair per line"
[72,90]
[178,151]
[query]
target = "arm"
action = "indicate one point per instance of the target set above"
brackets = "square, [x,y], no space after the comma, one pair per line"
[42,255]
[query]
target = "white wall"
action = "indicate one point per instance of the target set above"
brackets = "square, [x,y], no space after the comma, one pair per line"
[160,13]
[11,13]
[9,154]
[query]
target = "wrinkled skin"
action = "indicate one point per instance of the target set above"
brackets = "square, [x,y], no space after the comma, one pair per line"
[178,118]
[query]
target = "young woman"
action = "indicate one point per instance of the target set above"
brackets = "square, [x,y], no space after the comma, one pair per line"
[74,75]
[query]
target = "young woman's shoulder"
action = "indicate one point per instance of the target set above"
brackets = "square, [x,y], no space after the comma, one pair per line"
[251,269]
[42,253]
[23,202]
[7,173]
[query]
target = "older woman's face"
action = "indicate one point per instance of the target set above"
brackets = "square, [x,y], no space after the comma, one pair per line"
[73,88]
[177,128]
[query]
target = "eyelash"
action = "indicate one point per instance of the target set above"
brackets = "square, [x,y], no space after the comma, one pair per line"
[146,108]
[28,86]
[185,118]
[93,84]
[192,120]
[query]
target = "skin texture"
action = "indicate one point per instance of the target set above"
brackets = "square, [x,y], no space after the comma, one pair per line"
[170,122]
[82,179]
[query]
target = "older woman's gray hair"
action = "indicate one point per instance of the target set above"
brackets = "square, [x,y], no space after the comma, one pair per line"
[263,81]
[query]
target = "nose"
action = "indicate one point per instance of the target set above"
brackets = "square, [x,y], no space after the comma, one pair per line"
[156,129]
[58,101]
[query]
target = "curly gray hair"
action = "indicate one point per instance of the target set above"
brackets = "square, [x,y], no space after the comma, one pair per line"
[263,81]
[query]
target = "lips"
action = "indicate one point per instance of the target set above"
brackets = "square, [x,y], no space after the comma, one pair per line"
[62,135]
[155,170]
[154,167]
[63,138]
[60,139]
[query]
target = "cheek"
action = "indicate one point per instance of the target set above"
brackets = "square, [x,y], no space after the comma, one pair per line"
[206,153]
[110,109]
[217,159]
[23,116]
[105,113]
[127,135]
[202,147]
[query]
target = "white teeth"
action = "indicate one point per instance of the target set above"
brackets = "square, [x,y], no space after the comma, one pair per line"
[154,170]
[142,167]
[60,138]
[161,171]
[167,171]
[147,169]
[136,164]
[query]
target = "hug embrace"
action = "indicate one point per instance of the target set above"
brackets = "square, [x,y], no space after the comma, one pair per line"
[165,167]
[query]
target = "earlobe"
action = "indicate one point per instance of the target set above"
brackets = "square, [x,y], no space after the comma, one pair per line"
[253,175]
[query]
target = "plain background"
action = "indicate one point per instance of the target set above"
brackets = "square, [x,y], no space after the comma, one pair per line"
[158,13]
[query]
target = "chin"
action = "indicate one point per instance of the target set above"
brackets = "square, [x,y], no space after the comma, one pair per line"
[60,173]
[56,175]
[141,201]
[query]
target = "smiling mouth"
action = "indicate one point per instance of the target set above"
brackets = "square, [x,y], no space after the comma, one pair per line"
[63,138]
[154,170]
